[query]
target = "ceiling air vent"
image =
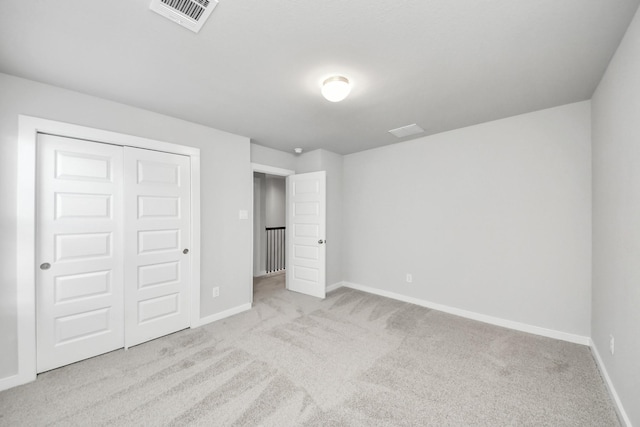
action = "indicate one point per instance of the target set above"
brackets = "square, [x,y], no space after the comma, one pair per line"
[408,130]
[190,14]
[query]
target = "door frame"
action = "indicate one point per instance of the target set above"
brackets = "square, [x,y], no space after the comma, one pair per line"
[28,129]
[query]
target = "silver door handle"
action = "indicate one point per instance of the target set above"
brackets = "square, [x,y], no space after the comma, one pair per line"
[45,266]
[322,241]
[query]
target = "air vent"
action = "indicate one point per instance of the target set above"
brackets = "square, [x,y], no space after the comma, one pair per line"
[190,14]
[408,130]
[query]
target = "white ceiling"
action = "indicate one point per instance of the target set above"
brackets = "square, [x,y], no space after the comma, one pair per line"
[256,66]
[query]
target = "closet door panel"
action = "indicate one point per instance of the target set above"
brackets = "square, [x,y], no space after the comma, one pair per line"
[157,218]
[79,283]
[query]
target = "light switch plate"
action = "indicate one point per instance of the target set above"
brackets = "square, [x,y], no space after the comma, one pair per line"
[243,214]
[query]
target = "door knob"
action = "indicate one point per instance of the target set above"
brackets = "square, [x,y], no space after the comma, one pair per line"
[45,266]
[186,251]
[322,241]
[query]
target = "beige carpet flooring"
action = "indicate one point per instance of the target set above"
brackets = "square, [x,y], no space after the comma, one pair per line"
[352,359]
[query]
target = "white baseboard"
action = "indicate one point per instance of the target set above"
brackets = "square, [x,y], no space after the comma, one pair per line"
[334,286]
[523,327]
[222,315]
[12,381]
[612,391]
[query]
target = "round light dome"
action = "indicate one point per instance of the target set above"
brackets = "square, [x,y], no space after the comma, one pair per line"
[336,88]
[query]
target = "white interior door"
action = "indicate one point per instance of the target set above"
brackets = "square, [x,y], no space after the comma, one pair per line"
[157,221]
[306,228]
[79,289]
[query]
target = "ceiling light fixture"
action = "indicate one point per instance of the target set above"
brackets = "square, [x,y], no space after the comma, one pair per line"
[297,150]
[336,88]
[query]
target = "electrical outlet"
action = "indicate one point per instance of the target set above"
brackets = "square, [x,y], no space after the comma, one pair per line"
[216,292]
[409,278]
[611,344]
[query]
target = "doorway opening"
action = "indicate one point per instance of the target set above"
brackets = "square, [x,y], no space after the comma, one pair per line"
[269,226]
[305,242]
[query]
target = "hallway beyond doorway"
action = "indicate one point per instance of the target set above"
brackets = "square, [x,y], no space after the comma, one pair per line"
[266,286]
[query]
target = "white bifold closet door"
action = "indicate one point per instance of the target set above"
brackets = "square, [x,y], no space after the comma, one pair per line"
[112,224]
[157,229]
[79,283]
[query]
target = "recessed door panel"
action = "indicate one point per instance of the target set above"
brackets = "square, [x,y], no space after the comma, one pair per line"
[82,325]
[306,230]
[306,208]
[158,241]
[77,247]
[76,165]
[159,307]
[79,291]
[305,273]
[158,274]
[307,252]
[158,207]
[84,285]
[158,173]
[74,205]
[305,186]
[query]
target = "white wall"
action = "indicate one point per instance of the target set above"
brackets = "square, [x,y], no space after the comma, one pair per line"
[493,219]
[270,157]
[616,220]
[275,203]
[225,188]
[332,163]
[309,162]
